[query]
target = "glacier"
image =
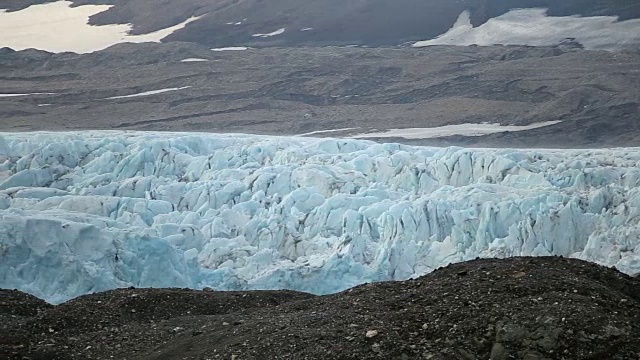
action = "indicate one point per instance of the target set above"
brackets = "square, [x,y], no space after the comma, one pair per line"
[84,212]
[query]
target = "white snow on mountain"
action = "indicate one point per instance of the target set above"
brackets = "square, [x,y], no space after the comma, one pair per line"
[59,27]
[88,211]
[450,130]
[311,133]
[21,95]
[187,60]
[274,33]
[231,48]
[147,93]
[534,28]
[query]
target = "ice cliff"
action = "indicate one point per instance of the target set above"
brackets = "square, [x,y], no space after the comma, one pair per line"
[90,211]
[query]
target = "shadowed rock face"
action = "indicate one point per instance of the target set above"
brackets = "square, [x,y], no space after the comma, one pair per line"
[333,22]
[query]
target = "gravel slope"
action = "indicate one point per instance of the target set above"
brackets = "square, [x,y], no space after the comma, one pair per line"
[524,308]
[292,91]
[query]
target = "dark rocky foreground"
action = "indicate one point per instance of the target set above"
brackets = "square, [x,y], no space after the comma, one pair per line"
[520,308]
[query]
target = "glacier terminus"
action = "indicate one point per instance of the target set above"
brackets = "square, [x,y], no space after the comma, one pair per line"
[90,211]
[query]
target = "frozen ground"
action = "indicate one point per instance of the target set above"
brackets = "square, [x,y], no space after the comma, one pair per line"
[84,212]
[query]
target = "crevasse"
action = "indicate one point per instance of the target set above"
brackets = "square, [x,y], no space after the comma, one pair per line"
[91,211]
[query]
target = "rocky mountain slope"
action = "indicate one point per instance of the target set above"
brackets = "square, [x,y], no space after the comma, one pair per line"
[319,23]
[594,94]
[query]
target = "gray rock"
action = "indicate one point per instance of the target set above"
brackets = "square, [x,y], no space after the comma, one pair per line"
[498,352]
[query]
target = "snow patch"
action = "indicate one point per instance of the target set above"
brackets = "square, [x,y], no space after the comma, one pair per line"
[451,130]
[275,33]
[326,131]
[41,26]
[194,60]
[20,95]
[534,27]
[147,93]
[231,48]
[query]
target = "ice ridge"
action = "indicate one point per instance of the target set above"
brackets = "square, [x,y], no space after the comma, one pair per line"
[90,211]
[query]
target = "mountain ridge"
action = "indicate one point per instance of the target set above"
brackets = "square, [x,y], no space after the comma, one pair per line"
[328,22]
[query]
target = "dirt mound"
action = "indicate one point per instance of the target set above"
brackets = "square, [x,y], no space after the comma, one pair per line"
[17,303]
[523,308]
[121,307]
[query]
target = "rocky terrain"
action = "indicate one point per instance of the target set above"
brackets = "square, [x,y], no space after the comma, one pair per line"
[595,94]
[341,68]
[522,308]
[337,68]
